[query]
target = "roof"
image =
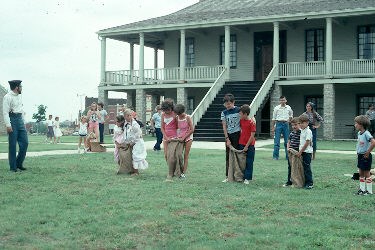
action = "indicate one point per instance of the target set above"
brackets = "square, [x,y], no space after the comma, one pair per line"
[209,12]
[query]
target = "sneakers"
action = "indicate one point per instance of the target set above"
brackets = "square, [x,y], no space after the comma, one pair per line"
[79,150]
[169,179]
[225,180]
[287,184]
[182,176]
[361,192]
[309,186]
[246,182]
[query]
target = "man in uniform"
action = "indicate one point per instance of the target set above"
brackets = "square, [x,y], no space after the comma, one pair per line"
[13,117]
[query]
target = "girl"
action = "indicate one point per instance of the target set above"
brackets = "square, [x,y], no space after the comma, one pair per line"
[82,133]
[133,137]
[56,130]
[94,115]
[184,133]
[314,123]
[168,123]
[118,135]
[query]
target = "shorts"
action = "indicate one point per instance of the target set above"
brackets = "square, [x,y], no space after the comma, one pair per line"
[364,163]
[50,132]
[83,135]
[93,125]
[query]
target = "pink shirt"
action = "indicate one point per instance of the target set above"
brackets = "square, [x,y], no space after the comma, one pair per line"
[183,128]
[170,127]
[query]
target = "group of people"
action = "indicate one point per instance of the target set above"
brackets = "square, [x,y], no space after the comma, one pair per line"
[53,130]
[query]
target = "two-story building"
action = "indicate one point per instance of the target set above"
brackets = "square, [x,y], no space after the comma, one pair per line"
[308,50]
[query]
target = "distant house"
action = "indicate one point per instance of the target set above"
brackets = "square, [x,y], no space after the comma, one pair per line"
[308,50]
[3,92]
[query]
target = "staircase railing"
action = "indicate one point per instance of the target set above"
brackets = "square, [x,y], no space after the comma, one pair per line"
[263,92]
[208,98]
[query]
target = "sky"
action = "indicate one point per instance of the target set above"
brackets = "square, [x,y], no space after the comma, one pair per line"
[52,46]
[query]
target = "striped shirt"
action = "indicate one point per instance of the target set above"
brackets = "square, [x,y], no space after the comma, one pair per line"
[232,119]
[294,139]
[370,114]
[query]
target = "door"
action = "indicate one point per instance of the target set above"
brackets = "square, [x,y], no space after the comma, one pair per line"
[267,61]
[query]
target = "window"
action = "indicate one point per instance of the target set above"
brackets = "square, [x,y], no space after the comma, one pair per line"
[318,101]
[189,52]
[366,42]
[363,102]
[314,45]
[233,51]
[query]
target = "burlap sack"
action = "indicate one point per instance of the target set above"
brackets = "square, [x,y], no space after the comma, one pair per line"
[297,174]
[174,158]
[96,147]
[125,160]
[237,164]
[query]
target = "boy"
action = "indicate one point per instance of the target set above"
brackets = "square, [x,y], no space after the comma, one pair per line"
[247,141]
[365,145]
[230,119]
[50,133]
[293,143]
[305,150]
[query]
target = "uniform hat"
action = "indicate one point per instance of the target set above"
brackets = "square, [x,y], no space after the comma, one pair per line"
[14,83]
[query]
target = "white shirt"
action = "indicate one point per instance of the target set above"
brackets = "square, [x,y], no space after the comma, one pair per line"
[49,123]
[282,113]
[12,103]
[306,134]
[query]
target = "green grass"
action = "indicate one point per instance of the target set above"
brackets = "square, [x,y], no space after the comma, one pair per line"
[332,145]
[77,201]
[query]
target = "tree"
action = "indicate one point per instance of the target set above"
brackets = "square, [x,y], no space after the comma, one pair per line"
[40,115]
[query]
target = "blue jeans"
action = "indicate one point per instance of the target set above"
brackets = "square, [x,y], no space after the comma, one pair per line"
[19,135]
[249,161]
[306,161]
[314,134]
[101,132]
[281,128]
[159,138]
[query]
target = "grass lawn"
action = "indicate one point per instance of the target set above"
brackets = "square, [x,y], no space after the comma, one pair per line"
[77,202]
[332,145]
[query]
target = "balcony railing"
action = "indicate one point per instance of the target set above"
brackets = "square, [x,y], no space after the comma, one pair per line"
[164,75]
[340,69]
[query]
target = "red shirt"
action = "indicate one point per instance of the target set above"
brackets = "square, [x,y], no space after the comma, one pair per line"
[247,127]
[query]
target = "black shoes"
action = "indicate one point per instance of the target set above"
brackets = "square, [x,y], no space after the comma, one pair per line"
[21,168]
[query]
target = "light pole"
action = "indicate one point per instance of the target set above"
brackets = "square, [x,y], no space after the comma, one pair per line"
[80,102]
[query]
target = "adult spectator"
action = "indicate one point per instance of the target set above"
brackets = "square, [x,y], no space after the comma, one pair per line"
[282,114]
[370,113]
[13,116]
[156,124]
[314,123]
[102,120]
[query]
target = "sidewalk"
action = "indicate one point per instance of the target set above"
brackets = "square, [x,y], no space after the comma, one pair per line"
[196,145]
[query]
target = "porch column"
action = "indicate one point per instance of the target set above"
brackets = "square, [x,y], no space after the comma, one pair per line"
[227,50]
[140,106]
[141,56]
[275,100]
[276,50]
[131,62]
[154,102]
[129,100]
[182,96]
[156,63]
[182,55]
[329,47]
[329,111]
[103,60]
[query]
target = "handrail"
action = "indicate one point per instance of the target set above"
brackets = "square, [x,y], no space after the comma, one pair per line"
[263,92]
[208,98]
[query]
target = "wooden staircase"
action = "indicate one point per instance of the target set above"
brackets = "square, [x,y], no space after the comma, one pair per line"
[209,128]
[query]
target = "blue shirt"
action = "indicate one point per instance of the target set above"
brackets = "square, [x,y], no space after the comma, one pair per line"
[232,119]
[157,120]
[363,142]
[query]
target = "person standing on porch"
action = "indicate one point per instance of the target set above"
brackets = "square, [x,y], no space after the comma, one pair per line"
[101,120]
[282,114]
[13,117]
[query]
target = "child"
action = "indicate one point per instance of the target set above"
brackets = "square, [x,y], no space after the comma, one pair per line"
[56,130]
[247,141]
[365,145]
[49,129]
[94,115]
[230,119]
[82,133]
[118,135]
[293,143]
[184,133]
[168,123]
[305,150]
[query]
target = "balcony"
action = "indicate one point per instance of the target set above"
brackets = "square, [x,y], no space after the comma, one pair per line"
[163,76]
[318,69]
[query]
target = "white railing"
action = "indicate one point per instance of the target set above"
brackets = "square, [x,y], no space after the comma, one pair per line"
[302,69]
[355,67]
[263,92]
[208,98]
[164,75]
